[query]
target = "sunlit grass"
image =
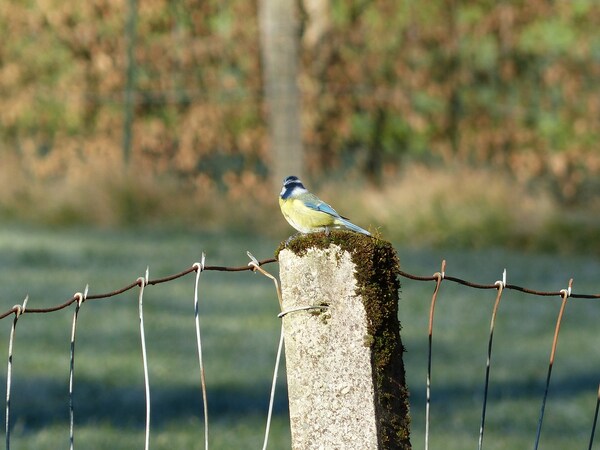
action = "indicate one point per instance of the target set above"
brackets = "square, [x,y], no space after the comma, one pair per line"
[522,343]
[240,332]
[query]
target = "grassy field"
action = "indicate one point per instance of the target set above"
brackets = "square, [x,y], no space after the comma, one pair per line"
[240,332]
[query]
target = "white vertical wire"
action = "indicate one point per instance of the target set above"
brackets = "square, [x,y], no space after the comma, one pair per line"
[19,310]
[199,268]
[256,267]
[71,370]
[9,376]
[143,281]
[273,386]
[80,298]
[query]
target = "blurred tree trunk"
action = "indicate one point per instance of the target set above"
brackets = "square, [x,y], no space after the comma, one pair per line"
[374,162]
[452,71]
[319,54]
[316,15]
[128,105]
[279,32]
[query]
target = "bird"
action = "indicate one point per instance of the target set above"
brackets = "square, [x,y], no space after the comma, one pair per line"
[307,213]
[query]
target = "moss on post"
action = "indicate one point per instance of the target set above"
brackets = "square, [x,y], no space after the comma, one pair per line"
[345,363]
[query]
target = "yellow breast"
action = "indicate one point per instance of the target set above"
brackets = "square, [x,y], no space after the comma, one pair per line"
[302,218]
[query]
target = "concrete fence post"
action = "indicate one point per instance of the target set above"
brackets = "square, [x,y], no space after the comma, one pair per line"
[344,363]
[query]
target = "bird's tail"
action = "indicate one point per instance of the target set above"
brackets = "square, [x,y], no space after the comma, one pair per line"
[346,223]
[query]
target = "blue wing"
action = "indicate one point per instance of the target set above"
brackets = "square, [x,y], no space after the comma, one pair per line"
[316,204]
[319,205]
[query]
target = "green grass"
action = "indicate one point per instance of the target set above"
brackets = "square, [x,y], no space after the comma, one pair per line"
[240,331]
[522,343]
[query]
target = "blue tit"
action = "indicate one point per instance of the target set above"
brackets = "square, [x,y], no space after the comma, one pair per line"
[307,213]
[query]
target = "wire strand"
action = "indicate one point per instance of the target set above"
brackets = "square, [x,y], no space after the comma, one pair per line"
[595,421]
[199,268]
[133,285]
[565,296]
[500,286]
[273,386]
[17,310]
[142,282]
[80,298]
[438,277]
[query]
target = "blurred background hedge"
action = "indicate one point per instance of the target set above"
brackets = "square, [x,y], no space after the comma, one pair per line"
[511,87]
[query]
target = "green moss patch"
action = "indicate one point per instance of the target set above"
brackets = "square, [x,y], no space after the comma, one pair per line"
[378,284]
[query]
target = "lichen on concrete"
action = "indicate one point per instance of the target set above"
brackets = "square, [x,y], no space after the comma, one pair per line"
[376,284]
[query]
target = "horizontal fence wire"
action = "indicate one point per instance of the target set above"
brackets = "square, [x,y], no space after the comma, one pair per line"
[495,286]
[17,309]
[191,269]
[500,286]
[79,298]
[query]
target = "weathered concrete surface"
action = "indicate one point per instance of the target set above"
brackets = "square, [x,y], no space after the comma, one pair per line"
[329,367]
[344,365]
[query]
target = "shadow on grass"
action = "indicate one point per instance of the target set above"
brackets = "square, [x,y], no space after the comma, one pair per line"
[513,406]
[455,396]
[39,402]
[36,403]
